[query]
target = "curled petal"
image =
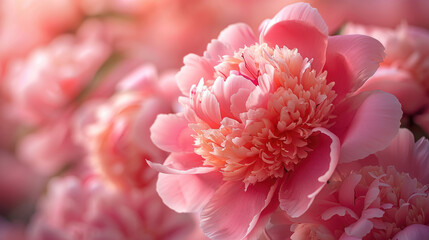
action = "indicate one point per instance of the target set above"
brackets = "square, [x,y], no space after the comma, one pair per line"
[299,190]
[233,211]
[366,124]
[187,193]
[237,36]
[171,133]
[299,26]
[351,60]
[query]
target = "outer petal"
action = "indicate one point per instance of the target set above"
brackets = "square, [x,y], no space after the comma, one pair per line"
[366,124]
[421,166]
[400,152]
[195,68]
[351,60]
[409,92]
[298,192]
[182,163]
[299,26]
[413,232]
[237,36]
[187,193]
[233,211]
[171,133]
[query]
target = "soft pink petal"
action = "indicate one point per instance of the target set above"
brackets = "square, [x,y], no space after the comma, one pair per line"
[366,124]
[421,161]
[187,193]
[299,26]
[237,36]
[413,232]
[346,193]
[299,190]
[182,163]
[224,90]
[145,118]
[338,210]
[399,153]
[171,133]
[231,212]
[409,92]
[195,68]
[363,226]
[351,60]
[215,50]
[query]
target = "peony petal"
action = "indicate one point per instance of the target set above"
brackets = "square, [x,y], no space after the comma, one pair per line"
[144,118]
[340,211]
[299,26]
[237,36]
[351,60]
[346,193]
[399,153]
[187,193]
[195,68]
[231,212]
[421,160]
[182,163]
[413,232]
[171,133]
[409,92]
[299,190]
[366,124]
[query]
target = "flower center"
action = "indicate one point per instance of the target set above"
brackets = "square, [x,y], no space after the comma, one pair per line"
[266,130]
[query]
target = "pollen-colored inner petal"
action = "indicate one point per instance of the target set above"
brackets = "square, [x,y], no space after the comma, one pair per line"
[262,131]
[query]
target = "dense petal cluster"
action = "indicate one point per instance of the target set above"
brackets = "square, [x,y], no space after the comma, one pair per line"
[379,198]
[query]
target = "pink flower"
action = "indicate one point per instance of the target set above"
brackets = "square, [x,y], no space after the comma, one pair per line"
[405,71]
[88,209]
[385,196]
[51,147]
[45,84]
[265,122]
[119,138]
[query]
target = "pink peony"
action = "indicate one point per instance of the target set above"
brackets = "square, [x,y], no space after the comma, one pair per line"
[265,122]
[88,209]
[383,197]
[405,70]
[45,84]
[119,138]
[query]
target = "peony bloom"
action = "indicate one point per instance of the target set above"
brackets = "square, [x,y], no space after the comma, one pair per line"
[265,122]
[88,209]
[405,70]
[45,84]
[119,137]
[383,197]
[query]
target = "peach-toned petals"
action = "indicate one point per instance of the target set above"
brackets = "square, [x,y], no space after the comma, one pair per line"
[88,209]
[263,116]
[382,198]
[118,146]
